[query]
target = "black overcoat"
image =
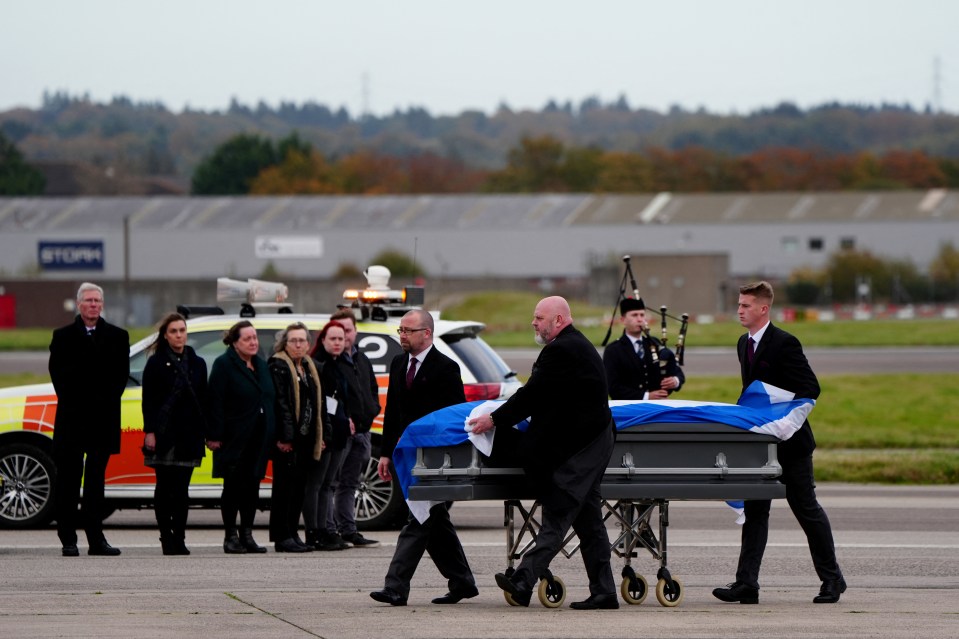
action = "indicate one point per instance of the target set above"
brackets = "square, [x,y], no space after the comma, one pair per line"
[239,399]
[89,374]
[566,400]
[175,404]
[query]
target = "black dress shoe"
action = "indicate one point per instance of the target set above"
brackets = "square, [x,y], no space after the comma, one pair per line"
[520,595]
[737,591]
[103,549]
[455,596]
[388,596]
[71,550]
[290,545]
[830,591]
[597,602]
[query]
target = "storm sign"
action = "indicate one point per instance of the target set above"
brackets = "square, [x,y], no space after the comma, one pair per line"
[70,256]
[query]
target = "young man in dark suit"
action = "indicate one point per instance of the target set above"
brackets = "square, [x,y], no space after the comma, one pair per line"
[770,354]
[630,369]
[422,380]
[564,452]
[89,366]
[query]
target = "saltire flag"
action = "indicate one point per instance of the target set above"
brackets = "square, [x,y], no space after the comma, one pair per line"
[762,408]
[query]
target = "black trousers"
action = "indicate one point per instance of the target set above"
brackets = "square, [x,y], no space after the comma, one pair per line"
[172,500]
[437,537]
[574,499]
[71,470]
[800,485]
[286,501]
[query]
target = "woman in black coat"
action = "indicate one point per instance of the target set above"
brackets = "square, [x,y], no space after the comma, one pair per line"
[241,432]
[174,422]
[301,423]
[330,345]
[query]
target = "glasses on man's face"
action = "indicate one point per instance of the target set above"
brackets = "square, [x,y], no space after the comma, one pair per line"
[402,330]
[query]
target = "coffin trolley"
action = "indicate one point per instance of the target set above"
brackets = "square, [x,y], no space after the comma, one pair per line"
[651,465]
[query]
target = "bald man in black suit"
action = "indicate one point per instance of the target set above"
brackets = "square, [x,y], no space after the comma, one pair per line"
[564,452]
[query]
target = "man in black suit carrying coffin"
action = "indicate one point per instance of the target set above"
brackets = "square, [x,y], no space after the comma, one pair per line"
[564,452]
[89,366]
[422,380]
[769,354]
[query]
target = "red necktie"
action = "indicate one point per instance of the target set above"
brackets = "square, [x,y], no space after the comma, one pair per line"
[411,373]
[751,351]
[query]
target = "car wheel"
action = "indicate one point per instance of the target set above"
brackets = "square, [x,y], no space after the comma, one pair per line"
[379,504]
[26,486]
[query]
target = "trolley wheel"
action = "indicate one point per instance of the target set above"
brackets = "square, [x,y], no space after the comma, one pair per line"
[509,599]
[552,592]
[670,592]
[634,589]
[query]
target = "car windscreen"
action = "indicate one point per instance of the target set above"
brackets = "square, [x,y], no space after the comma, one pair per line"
[487,367]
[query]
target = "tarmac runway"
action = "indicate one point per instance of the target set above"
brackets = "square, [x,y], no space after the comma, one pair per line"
[898,546]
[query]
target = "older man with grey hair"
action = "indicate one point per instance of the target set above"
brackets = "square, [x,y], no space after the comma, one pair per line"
[89,366]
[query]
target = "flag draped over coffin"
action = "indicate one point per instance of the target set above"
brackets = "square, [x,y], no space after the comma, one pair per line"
[761,408]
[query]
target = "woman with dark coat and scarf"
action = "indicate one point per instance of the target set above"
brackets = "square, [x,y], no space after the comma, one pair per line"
[301,423]
[174,406]
[241,432]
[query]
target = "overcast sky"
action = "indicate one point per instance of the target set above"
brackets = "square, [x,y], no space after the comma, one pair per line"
[451,55]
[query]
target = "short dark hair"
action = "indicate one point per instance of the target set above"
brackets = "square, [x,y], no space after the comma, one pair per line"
[344,314]
[762,290]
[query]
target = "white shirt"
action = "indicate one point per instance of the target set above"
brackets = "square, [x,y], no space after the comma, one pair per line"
[758,335]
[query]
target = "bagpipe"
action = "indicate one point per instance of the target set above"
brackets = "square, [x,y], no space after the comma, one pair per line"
[654,346]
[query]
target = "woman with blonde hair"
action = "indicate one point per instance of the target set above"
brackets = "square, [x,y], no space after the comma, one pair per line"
[301,423]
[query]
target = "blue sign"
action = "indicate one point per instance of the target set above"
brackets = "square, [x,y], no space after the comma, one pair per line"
[70,256]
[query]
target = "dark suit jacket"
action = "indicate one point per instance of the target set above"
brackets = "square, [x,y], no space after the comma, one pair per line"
[437,384]
[89,375]
[567,400]
[627,374]
[780,361]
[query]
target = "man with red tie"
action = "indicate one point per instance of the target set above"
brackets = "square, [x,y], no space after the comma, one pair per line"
[769,354]
[422,380]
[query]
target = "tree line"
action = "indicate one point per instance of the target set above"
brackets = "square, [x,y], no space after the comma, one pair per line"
[250,164]
[851,277]
[147,139]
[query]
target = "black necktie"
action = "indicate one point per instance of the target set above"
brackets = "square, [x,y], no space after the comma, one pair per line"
[750,351]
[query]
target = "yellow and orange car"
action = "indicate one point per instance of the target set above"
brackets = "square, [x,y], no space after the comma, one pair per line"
[27,415]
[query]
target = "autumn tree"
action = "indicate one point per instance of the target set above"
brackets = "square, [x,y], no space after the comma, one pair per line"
[534,166]
[624,173]
[298,174]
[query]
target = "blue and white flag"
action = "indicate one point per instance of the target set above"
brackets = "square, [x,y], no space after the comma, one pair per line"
[761,408]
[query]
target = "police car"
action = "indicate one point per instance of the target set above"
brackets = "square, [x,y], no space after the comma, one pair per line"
[27,412]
